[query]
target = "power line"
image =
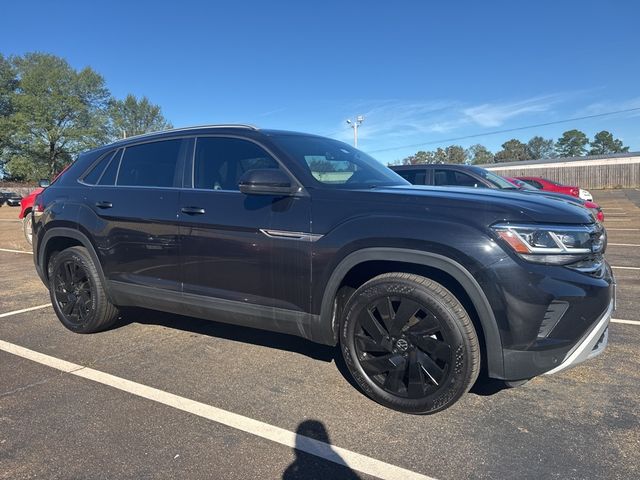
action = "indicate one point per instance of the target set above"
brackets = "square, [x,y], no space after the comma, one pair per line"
[506,130]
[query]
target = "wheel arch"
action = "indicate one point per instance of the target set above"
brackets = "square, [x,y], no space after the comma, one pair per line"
[67,237]
[488,331]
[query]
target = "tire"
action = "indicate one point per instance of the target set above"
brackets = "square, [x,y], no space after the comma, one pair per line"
[27,227]
[77,294]
[515,383]
[409,343]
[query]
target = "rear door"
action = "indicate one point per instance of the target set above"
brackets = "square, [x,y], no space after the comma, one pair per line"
[134,210]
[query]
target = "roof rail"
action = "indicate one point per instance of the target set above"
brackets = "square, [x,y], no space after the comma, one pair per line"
[230,125]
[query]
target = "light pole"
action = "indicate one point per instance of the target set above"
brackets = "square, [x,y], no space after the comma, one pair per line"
[355,125]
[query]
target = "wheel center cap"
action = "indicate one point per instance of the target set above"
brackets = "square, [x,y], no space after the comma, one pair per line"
[402,344]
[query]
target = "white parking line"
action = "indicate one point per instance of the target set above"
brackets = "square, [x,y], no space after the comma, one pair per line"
[341,456]
[9,220]
[30,309]
[15,251]
[628,322]
[626,268]
[623,229]
[624,244]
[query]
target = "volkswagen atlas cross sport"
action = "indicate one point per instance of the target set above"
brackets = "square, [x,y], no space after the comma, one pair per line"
[422,287]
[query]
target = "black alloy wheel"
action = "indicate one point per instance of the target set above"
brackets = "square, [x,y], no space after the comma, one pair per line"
[409,343]
[72,291]
[77,292]
[402,346]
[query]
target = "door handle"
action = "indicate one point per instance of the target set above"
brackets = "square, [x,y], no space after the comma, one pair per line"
[104,204]
[193,210]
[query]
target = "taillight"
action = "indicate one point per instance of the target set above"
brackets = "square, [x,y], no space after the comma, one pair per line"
[600,216]
[38,207]
[575,192]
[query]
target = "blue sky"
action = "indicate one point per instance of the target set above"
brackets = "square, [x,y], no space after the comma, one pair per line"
[420,72]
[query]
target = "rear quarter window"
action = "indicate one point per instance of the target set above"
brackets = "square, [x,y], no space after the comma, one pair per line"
[94,174]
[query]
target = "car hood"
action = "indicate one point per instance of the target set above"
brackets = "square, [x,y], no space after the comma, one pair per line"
[493,205]
[550,194]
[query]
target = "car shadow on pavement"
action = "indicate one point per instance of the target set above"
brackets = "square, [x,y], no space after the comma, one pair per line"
[313,436]
[483,387]
[227,331]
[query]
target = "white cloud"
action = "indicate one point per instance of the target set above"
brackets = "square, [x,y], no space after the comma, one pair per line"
[387,122]
[605,106]
[496,114]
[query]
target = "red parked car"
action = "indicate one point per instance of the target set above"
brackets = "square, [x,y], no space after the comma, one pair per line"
[26,208]
[544,184]
[520,182]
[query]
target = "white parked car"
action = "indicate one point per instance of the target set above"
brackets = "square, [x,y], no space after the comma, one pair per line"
[585,195]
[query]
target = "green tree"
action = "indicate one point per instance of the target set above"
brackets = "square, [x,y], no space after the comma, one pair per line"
[512,151]
[539,147]
[440,156]
[604,143]
[58,112]
[131,117]
[479,154]
[8,85]
[456,154]
[321,166]
[419,157]
[572,143]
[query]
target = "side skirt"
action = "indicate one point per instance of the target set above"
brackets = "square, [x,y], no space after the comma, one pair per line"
[292,322]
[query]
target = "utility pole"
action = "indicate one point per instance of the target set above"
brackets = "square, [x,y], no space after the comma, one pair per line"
[355,125]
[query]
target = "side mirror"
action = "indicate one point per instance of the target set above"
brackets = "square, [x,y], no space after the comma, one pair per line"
[267,181]
[44,183]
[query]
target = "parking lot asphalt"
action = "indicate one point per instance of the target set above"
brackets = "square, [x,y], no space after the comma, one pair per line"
[57,423]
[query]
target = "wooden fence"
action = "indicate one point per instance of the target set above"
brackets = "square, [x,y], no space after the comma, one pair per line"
[619,171]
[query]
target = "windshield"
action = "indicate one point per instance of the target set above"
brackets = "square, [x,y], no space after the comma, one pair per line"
[524,185]
[336,164]
[497,180]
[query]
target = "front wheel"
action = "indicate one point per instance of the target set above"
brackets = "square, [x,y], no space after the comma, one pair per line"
[409,343]
[77,293]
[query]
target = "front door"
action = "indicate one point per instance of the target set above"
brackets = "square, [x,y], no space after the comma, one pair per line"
[246,250]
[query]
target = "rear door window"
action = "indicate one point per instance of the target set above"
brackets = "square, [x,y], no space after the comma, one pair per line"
[442,177]
[416,177]
[154,164]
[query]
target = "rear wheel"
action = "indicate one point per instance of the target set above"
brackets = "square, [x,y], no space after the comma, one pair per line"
[27,227]
[409,343]
[77,293]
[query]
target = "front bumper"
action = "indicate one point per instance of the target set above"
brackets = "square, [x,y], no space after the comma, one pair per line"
[549,317]
[590,345]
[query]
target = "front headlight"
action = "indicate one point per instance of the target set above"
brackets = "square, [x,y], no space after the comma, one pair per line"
[553,244]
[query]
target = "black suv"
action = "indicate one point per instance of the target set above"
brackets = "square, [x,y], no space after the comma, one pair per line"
[421,287]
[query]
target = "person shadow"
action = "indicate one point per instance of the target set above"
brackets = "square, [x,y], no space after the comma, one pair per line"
[315,459]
